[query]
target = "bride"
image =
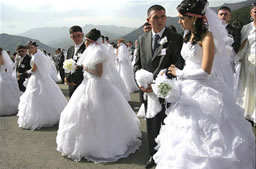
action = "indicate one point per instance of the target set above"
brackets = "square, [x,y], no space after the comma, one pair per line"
[9,89]
[42,102]
[204,128]
[98,123]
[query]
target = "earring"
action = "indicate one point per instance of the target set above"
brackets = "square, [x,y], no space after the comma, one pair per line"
[251,18]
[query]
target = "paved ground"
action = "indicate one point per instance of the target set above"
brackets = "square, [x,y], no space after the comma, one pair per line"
[25,149]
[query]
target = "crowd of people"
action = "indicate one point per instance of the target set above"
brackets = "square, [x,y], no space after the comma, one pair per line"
[207,123]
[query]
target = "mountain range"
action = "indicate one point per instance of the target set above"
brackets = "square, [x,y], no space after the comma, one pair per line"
[10,42]
[59,36]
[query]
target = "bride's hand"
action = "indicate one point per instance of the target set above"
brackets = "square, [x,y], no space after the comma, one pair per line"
[172,70]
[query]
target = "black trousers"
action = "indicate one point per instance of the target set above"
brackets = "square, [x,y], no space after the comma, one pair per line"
[62,73]
[71,89]
[153,128]
[21,86]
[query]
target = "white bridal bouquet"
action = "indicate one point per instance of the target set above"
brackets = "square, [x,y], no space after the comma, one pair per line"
[144,78]
[69,66]
[166,88]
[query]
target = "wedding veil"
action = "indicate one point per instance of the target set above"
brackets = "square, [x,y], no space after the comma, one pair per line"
[222,68]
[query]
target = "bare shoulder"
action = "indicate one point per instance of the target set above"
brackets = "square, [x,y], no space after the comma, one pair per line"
[207,35]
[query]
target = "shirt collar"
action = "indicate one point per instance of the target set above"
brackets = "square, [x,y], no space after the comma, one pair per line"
[79,45]
[159,33]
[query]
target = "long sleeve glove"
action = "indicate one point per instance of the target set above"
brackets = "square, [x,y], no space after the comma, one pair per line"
[195,74]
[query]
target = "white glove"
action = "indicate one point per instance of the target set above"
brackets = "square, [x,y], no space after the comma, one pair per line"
[195,74]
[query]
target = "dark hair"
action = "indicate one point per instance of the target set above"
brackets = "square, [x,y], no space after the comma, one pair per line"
[155,8]
[194,7]
[224,8]
[32,43]
[75,29]
[94,34]
[1,49]
[146,24]
[20,47]
[106,38]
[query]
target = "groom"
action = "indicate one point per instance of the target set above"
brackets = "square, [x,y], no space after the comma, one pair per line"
[73,80]
[154,57]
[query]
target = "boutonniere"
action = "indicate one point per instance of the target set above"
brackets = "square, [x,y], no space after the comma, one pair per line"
[163,41]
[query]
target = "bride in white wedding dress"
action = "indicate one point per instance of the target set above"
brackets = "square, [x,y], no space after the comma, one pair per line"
[98,123]
[204,129]
[42,102]
[9,89]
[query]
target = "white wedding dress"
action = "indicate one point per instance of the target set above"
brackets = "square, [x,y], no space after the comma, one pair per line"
[9,90]
[125,69]
[43,101]
[98,123]
[247,81]
[204,129]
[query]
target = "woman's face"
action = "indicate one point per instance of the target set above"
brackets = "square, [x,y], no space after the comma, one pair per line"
[253,13]
[186,22]
[87,43]
[32,49]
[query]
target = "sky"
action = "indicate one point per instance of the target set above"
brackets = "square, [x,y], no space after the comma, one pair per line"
[18,16]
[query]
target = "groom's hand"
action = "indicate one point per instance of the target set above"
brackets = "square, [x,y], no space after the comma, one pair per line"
[146,90]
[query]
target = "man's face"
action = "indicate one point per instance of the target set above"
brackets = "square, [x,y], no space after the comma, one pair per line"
[77,37]
[253,13]
[157,20]
[224,15]
[21,52]
[147,28]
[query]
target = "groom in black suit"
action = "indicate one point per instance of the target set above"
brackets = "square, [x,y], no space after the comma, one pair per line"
[22,66]
[73,80]
[153,55]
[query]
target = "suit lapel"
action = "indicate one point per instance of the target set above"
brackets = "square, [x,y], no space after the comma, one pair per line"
[159,48]
[148,44]
[157,51]
[81,49]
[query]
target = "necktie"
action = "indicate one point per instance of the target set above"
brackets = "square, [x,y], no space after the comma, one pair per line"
[155,42]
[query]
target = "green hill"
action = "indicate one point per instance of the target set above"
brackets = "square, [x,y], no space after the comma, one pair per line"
[10,42]
[242,15]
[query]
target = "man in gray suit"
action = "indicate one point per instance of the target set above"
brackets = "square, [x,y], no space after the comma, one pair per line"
[73,80]
[154,57]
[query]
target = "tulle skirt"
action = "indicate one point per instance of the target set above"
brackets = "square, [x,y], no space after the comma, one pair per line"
[127,74]
[41,104]
[205,129]
[9,94]
[98,124]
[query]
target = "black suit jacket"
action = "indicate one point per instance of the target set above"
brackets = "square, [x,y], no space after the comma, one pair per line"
[60,60]
[23,66]
[154,62]
[236,34]
[77,76]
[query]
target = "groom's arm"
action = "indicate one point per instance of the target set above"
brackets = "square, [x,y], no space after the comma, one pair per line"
[137,65]
[179,61]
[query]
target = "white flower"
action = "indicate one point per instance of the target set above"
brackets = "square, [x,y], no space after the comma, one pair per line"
[69,66]
[166,88]
[163,41]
